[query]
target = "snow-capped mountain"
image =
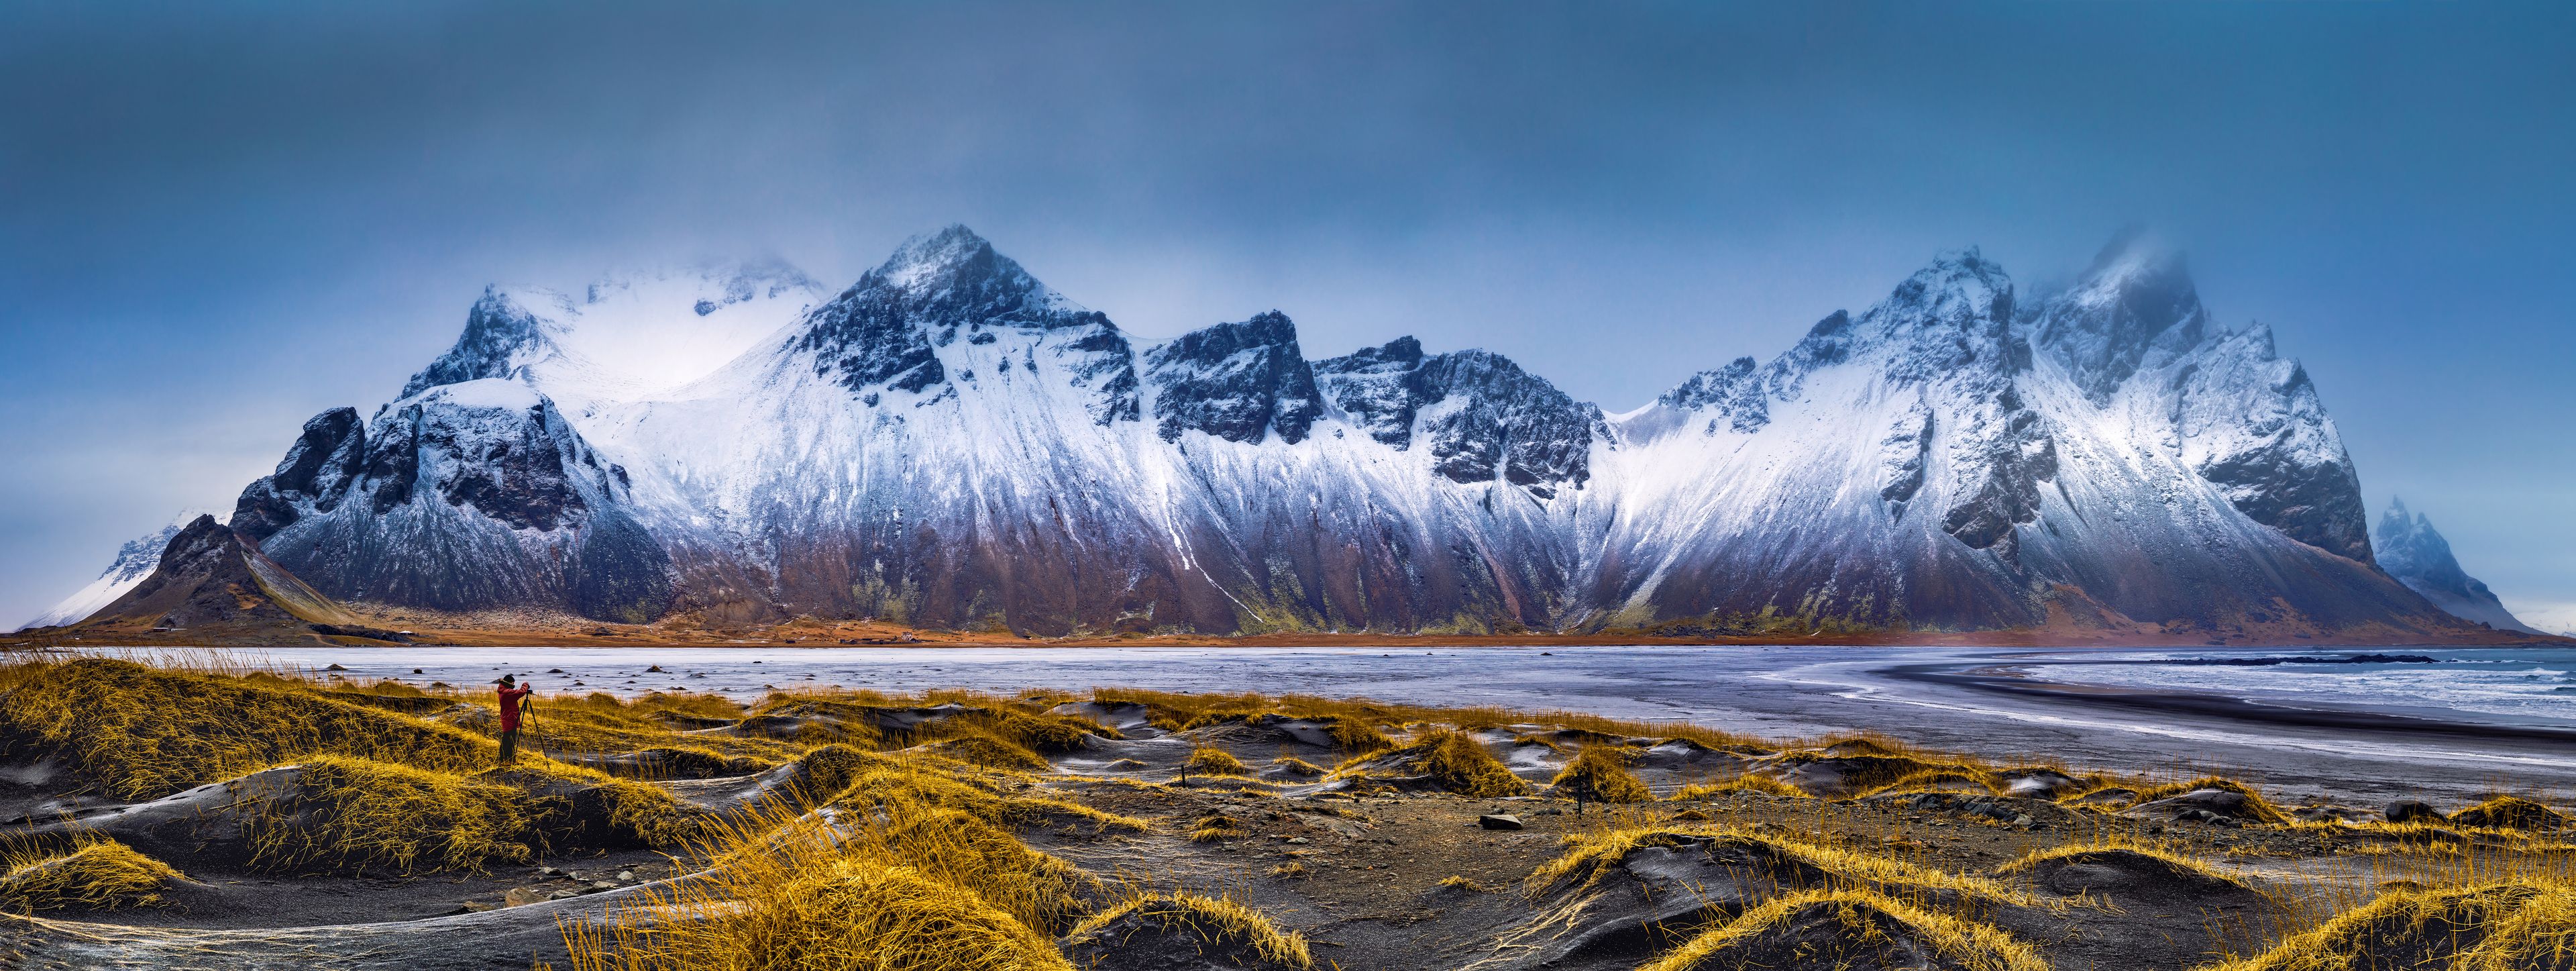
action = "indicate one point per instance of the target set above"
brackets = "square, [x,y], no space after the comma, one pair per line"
[950,442]
[134,561]
[2417,555]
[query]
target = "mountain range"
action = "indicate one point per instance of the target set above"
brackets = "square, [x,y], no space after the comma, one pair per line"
[947,442]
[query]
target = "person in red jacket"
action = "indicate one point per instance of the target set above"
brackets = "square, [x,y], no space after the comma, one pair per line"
[513,698]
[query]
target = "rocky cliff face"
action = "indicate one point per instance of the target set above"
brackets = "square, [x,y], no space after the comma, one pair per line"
[2417,555]
[462,497]
[950,442]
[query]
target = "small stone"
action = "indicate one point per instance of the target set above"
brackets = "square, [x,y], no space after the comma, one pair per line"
[521,897]
[550,871]
[2413,811]
[2021,819]
[599,886]
[473,907]
[626,876]
[1499,821]
[1298,841]
[335,666]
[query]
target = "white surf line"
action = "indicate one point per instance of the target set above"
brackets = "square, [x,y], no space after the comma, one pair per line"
[2380,752]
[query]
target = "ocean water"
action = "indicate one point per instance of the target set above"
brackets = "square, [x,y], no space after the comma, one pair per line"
[2527,686]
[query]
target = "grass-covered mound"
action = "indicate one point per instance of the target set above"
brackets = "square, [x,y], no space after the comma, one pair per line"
[1781,860]
[2514,925]
[1445,759]
[141,732]
[1599,773]
[1747,782]
[1850,930]
[2123,868]
[2510,812]
[2238,800]
[1166,930]
[93,875]
[1784,861]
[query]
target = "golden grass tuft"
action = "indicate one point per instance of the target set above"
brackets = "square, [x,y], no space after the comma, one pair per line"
[2509,925]
[1213,925]
[1211,760]
[979,748]
[1453,761]
[1599,773]
[1934,778]
[2262,809]
[1747,782]
[1591,856]
[141,732]
[2509,813]
[354,814]
[93,875]
[1456,882]
[1842,928]
[2188,866]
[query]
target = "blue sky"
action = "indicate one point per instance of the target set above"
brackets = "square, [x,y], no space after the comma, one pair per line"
[217,220]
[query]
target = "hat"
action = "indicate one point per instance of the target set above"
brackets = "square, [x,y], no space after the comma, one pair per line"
[505,680]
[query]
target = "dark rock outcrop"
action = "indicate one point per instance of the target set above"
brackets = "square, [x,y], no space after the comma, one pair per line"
[1237,382]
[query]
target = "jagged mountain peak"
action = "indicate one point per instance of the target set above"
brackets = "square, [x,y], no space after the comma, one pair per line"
[2135,309]
[2411,550]
[1235,381]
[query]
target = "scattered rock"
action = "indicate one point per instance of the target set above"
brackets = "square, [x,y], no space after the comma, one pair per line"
[335,667]
[2413,811]
[1505,821]
[655,669]
[521,897]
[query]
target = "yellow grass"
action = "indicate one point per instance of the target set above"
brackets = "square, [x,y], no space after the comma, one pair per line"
[2507,925]
[1453,760]
[1600,773]
[1864,921]
[1591,856]
[1743,783]
[1223,925]
[94,874]
[2263,809]
[141,733]
[1211,760]
[2181,862]
[355,814]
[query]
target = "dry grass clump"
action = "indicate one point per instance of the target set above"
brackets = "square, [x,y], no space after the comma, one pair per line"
[2188,868]
[354,813]
[1591,856]
[1850,929]
[1933,779]
[1211,829]
[2510,925]
[1298,766]
[1452,760]
[1599,773]
[1456,882]
[1747,782]
[2259,808]
[1211,760]
[93,875]
[142,732]
[911,884]
[1213,925]
[2511,813]
[889,784]
[979,748]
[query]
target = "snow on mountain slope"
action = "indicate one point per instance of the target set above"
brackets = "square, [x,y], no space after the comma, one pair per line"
[2417,555]
[625,337]
[950,442]
[134,561]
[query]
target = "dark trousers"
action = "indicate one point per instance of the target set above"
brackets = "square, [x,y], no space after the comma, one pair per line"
[509,746]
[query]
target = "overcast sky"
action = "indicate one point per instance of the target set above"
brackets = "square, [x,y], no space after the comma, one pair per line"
[219,219]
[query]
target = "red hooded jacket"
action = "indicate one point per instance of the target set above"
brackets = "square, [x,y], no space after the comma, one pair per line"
[510,707]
